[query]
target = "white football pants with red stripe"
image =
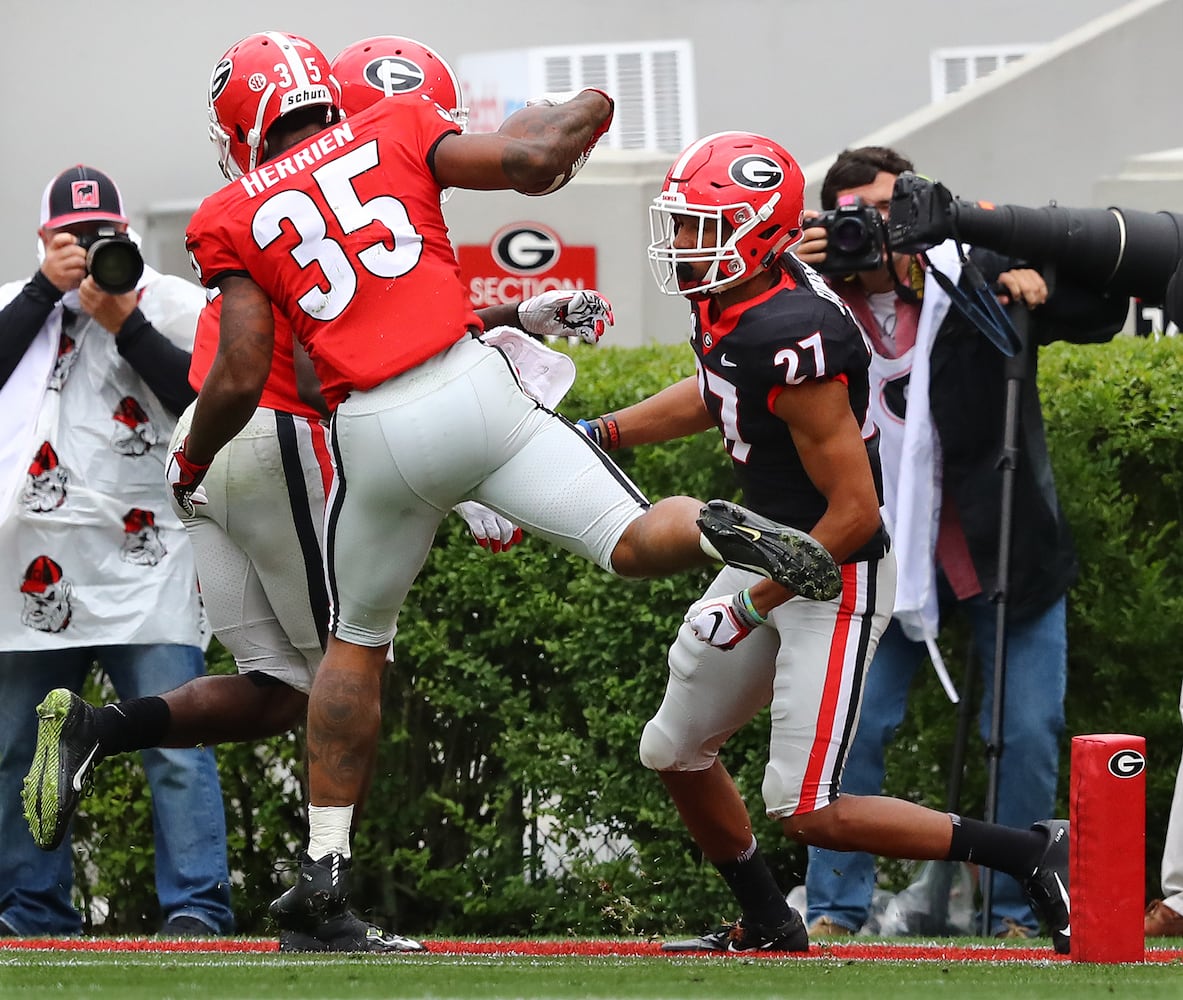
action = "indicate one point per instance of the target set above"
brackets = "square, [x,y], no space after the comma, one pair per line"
[808,663]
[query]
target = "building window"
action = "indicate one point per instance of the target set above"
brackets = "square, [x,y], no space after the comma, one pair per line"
[651,82]
[952,69]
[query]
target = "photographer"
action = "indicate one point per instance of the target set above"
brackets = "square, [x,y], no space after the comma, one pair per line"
[943,504]
[99,570]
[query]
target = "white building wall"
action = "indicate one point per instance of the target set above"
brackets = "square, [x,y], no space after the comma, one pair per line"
[122,85]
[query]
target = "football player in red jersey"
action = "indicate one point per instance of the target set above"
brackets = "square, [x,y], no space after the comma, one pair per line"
[256,535]
[424,413]
[782,372]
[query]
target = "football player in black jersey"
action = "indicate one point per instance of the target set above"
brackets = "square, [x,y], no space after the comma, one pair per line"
[781,371]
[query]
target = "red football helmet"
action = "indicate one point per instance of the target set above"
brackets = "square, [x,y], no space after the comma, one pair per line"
[262,77]
[749,187]
[391,66]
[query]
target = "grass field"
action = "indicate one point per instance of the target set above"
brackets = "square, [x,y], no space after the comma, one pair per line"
[142,972]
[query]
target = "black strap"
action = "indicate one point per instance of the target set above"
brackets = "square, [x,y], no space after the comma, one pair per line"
[980,306]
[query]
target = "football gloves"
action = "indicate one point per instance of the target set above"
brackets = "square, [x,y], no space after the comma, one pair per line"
[567,313]
[489,529]
[723,622]
[184,478]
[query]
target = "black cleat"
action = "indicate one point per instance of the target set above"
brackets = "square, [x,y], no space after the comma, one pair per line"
[314,914]
[63,766]
[790,557]
[321,893]
[742,937]
[347,932]
[1047,885]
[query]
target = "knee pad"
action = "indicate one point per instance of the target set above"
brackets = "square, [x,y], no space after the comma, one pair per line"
[659,752]
[656,751]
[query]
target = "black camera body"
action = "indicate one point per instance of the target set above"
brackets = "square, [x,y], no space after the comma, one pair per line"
[856,238]
[112,259]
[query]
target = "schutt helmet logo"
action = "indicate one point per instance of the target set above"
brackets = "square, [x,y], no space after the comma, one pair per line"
[1127,764]
[525,249]
[394,75]
[759,173]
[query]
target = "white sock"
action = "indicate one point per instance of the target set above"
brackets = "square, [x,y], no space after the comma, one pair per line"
[328,830]
[749,852]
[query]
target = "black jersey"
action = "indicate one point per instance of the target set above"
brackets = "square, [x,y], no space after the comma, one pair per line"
[796,331]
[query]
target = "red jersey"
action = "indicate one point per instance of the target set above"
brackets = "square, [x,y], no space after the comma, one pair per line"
[279,392]
[345,234]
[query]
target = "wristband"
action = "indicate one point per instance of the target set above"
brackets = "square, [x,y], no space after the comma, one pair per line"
[610,432]
[590,429]
[744,598]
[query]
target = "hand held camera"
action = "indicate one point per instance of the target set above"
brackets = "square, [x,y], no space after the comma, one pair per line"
[855,237]
[112,259]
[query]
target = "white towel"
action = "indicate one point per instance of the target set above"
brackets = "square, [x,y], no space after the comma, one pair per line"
[546,375]
[913,511]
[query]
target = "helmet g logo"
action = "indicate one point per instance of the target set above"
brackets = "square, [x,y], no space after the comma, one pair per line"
[394,75]
[758,173]
[219,79]
[1127,764]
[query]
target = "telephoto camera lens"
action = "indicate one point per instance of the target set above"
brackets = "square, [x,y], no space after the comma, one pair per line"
[112,259]
[115,264]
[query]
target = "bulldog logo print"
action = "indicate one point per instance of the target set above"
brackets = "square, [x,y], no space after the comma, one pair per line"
[134,433]
[67,355]
[46,482]
[141,538]
[46,594]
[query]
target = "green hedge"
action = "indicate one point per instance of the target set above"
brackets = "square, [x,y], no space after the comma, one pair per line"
[508,798]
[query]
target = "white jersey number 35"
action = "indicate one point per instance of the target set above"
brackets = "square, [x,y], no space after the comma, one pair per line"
[335,180]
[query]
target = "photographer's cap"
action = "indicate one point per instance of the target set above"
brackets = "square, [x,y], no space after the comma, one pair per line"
[81,194]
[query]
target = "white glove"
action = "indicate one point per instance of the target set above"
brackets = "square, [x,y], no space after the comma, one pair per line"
[490,529]
[723,622]
[184,479]
[567,313]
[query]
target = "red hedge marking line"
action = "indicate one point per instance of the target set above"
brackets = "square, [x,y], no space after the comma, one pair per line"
[867,952]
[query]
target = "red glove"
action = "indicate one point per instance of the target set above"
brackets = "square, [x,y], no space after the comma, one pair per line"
[184,477]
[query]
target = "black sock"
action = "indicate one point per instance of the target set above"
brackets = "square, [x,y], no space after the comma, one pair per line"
[1003,848]
[137,724]
[756,890]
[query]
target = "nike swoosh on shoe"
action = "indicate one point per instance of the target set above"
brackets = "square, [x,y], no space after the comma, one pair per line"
[80,775]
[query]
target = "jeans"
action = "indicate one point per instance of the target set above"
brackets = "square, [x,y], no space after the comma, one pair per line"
[839,884]
[192,878]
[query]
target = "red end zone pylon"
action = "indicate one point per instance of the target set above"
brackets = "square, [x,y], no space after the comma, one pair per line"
[1107,852]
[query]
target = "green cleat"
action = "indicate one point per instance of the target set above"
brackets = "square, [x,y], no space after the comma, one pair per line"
[63,766]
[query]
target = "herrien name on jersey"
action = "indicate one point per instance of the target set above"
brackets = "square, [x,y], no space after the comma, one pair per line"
[269,174]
